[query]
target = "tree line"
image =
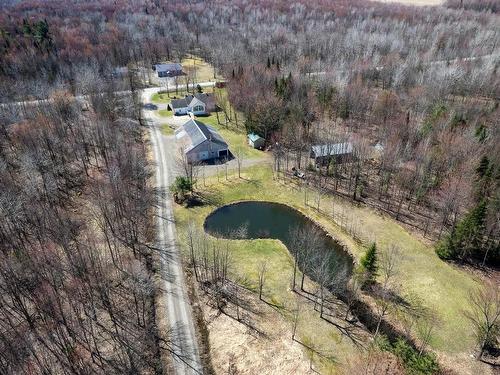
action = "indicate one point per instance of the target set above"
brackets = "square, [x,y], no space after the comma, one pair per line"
[77,282]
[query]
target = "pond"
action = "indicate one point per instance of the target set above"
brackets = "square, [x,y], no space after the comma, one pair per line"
[251,220]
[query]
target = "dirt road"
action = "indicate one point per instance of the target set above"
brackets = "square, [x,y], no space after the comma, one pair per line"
[186,355]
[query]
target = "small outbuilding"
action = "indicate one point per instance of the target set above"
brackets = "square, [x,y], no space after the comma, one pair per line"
[199,104]
[168,70]
[256,141]
[339,152]
[201,142]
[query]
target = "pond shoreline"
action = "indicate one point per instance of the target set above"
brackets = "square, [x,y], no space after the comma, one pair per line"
[345,249]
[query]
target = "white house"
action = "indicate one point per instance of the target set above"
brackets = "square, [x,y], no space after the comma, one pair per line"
[201,142]
[198,104]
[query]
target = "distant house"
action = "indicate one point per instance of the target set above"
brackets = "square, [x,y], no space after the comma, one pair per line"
[256,141]
[340,152]
[201,142]
[198,104]
[168,70]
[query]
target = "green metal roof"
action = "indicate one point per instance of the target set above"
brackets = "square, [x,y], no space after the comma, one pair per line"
[254,137]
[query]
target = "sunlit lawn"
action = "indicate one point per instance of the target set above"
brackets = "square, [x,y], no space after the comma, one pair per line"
[246,256]
[431,282]
[166,129]
[197,67]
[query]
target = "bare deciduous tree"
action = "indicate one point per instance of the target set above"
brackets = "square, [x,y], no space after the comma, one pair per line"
[389,264]
[262,277]
[484,316]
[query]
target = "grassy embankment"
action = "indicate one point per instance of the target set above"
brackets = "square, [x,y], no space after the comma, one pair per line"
[425,279]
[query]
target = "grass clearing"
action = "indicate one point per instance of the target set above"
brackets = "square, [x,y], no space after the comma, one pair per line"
[164,113]
[429,281]
[199,69]
[166,129]
[246,256]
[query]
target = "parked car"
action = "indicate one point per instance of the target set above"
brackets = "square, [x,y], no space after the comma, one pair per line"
[298,173]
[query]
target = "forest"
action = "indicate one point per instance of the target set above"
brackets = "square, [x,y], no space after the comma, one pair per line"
[419,88]
[411,81]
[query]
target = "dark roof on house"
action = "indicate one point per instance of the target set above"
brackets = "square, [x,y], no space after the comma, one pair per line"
[184,102]
[169,67]
[179,103]
[198,133]
[332,149]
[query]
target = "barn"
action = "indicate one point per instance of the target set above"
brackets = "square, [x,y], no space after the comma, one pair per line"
[339,152]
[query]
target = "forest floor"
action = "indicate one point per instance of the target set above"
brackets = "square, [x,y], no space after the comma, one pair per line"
[259,343]
[426,281]
[414,2]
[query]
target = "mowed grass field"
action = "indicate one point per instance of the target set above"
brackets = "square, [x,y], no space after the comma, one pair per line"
[246,257]
[197,67]
[425,280]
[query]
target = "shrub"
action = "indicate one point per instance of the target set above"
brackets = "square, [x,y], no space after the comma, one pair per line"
[414,362]
[181,187]
[445,249]
[311,167]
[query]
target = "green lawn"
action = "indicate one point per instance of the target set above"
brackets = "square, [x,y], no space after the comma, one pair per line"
[165,113]
[437,285]
[246,256]
[163,98]
[166,129]
[235,136]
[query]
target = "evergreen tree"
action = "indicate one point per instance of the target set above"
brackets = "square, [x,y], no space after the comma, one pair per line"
[483,167]
[466,239]
[369,262]
[481,133]
[26,27]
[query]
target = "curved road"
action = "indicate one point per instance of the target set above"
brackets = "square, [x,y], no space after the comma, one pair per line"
[185,356]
